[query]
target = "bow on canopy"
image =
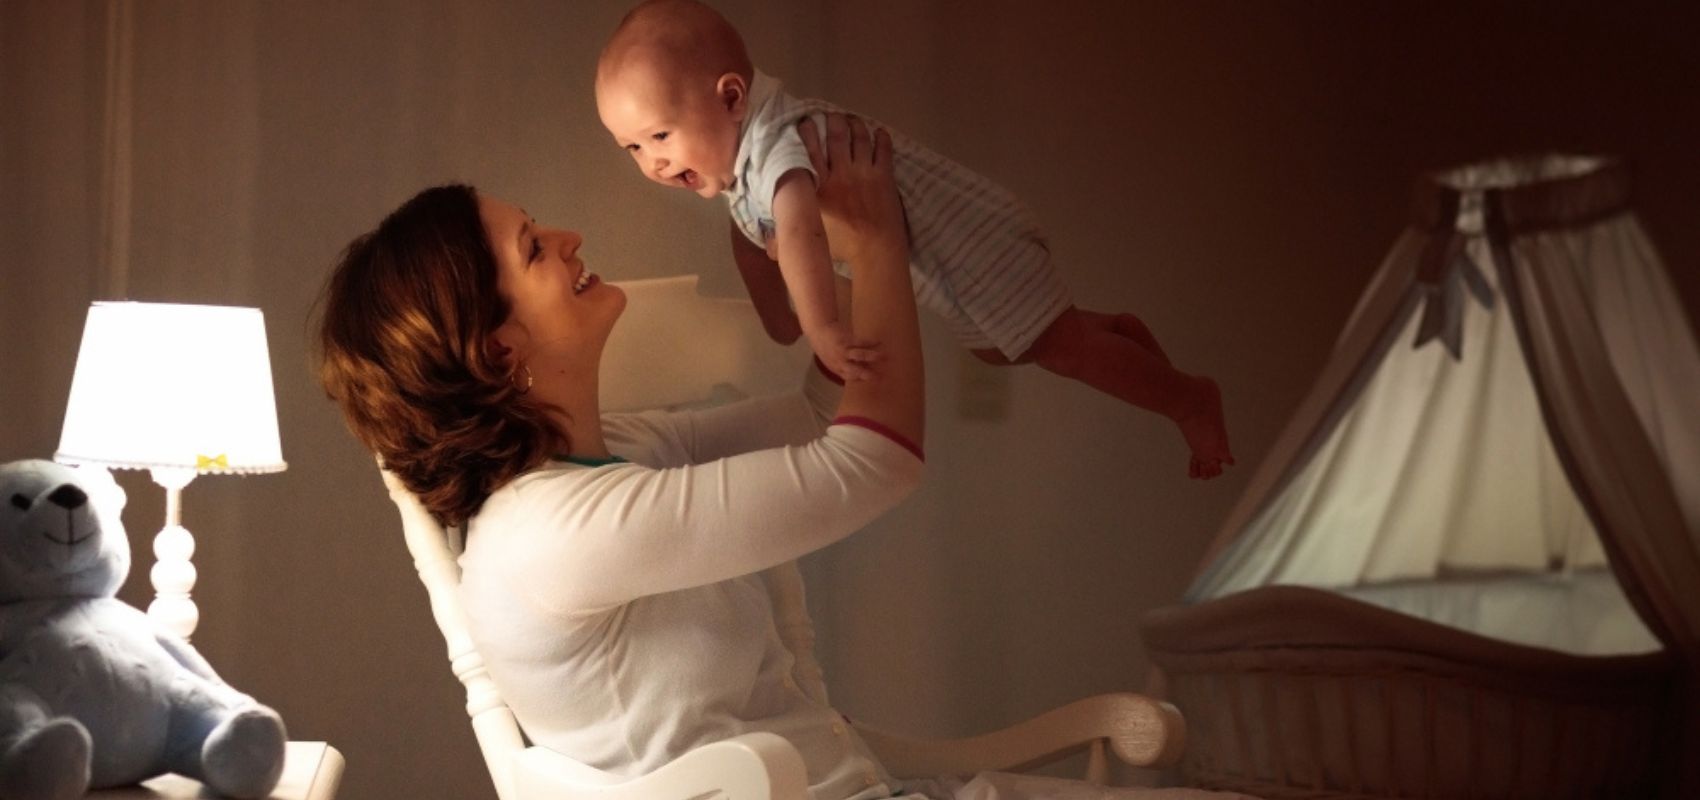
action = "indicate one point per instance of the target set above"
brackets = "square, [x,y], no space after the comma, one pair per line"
[1446,272]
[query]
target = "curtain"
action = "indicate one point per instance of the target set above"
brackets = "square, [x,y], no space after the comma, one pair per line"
[1604,427]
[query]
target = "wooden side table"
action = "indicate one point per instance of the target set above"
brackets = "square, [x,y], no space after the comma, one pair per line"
[311,771]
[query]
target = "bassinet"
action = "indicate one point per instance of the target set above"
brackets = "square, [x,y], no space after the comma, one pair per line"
[1510,409]
[1296,692]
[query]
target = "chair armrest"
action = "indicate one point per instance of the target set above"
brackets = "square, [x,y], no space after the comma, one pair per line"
[1141,731]
[754,766]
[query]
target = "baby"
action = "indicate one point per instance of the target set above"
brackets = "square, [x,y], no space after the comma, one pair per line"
[676,88]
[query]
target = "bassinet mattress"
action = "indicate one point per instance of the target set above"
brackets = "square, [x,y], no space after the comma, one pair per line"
[1582,612]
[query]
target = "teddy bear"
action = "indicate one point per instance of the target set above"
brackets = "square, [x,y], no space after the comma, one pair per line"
[92,694]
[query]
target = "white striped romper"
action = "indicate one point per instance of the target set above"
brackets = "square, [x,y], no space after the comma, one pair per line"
[977,258]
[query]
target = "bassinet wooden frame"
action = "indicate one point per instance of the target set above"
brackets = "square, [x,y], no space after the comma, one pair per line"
[1294,692]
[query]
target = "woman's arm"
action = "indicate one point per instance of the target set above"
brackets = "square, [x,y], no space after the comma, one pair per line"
[594,538]
[761,422]
[864,223]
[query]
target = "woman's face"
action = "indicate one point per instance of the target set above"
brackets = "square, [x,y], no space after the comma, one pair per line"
[558,307]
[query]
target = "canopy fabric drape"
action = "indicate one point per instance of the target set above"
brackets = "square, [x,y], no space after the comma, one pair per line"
[1409,461]
[1439,464]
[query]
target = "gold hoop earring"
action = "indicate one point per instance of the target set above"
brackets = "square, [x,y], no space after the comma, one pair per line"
[529,380]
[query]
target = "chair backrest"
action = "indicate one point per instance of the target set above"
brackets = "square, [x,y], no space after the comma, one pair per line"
[434,551]
[673,347]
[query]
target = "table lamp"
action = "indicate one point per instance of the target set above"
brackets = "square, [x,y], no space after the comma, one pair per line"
[178,390]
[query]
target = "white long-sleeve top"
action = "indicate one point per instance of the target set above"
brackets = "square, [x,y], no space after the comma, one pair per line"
[620,610]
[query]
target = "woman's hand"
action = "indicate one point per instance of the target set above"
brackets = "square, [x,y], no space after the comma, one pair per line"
[856,190]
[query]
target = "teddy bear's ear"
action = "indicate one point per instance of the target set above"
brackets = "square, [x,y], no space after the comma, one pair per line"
[100,485]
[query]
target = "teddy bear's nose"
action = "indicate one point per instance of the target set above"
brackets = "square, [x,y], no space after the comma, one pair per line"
[68,497]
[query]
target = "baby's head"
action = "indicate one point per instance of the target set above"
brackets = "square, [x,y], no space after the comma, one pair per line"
[672,86]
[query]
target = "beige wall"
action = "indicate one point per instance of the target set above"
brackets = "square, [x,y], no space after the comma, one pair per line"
[1230,171]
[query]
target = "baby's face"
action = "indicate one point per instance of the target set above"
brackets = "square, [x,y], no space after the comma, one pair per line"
[680,136]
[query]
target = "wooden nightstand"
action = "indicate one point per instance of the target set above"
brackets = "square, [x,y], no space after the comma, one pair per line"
[311,771]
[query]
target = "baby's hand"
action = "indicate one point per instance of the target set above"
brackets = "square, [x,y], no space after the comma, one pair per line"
[840,352]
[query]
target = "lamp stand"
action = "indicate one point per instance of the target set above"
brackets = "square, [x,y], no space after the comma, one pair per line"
[173,575]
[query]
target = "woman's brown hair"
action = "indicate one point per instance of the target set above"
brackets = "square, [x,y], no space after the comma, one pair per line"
[404,350]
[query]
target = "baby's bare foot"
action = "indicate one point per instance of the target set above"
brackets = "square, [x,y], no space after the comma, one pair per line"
[1206,432]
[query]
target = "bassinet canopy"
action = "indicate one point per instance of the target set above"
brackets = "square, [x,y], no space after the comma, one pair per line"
[1518,376]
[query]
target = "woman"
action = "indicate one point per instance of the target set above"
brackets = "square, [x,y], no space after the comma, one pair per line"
[611,571]
[610,560]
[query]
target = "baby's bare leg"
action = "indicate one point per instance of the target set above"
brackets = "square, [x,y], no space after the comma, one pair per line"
[1126,325]
[1118,355]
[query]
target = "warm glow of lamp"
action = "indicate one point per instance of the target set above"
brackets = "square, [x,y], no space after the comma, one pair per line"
[179,390]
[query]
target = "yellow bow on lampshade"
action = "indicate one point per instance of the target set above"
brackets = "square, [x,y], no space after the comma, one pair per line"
[205,462]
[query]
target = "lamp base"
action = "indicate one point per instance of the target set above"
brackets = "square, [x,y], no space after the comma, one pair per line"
[175,614]
[173,574]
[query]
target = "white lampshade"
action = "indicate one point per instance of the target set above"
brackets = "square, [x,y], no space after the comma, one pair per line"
[170,386]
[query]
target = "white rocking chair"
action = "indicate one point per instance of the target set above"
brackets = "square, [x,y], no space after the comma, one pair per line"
[726,345]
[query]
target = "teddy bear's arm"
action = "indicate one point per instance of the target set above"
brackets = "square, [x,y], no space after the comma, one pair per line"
[185,654]
[17,621]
